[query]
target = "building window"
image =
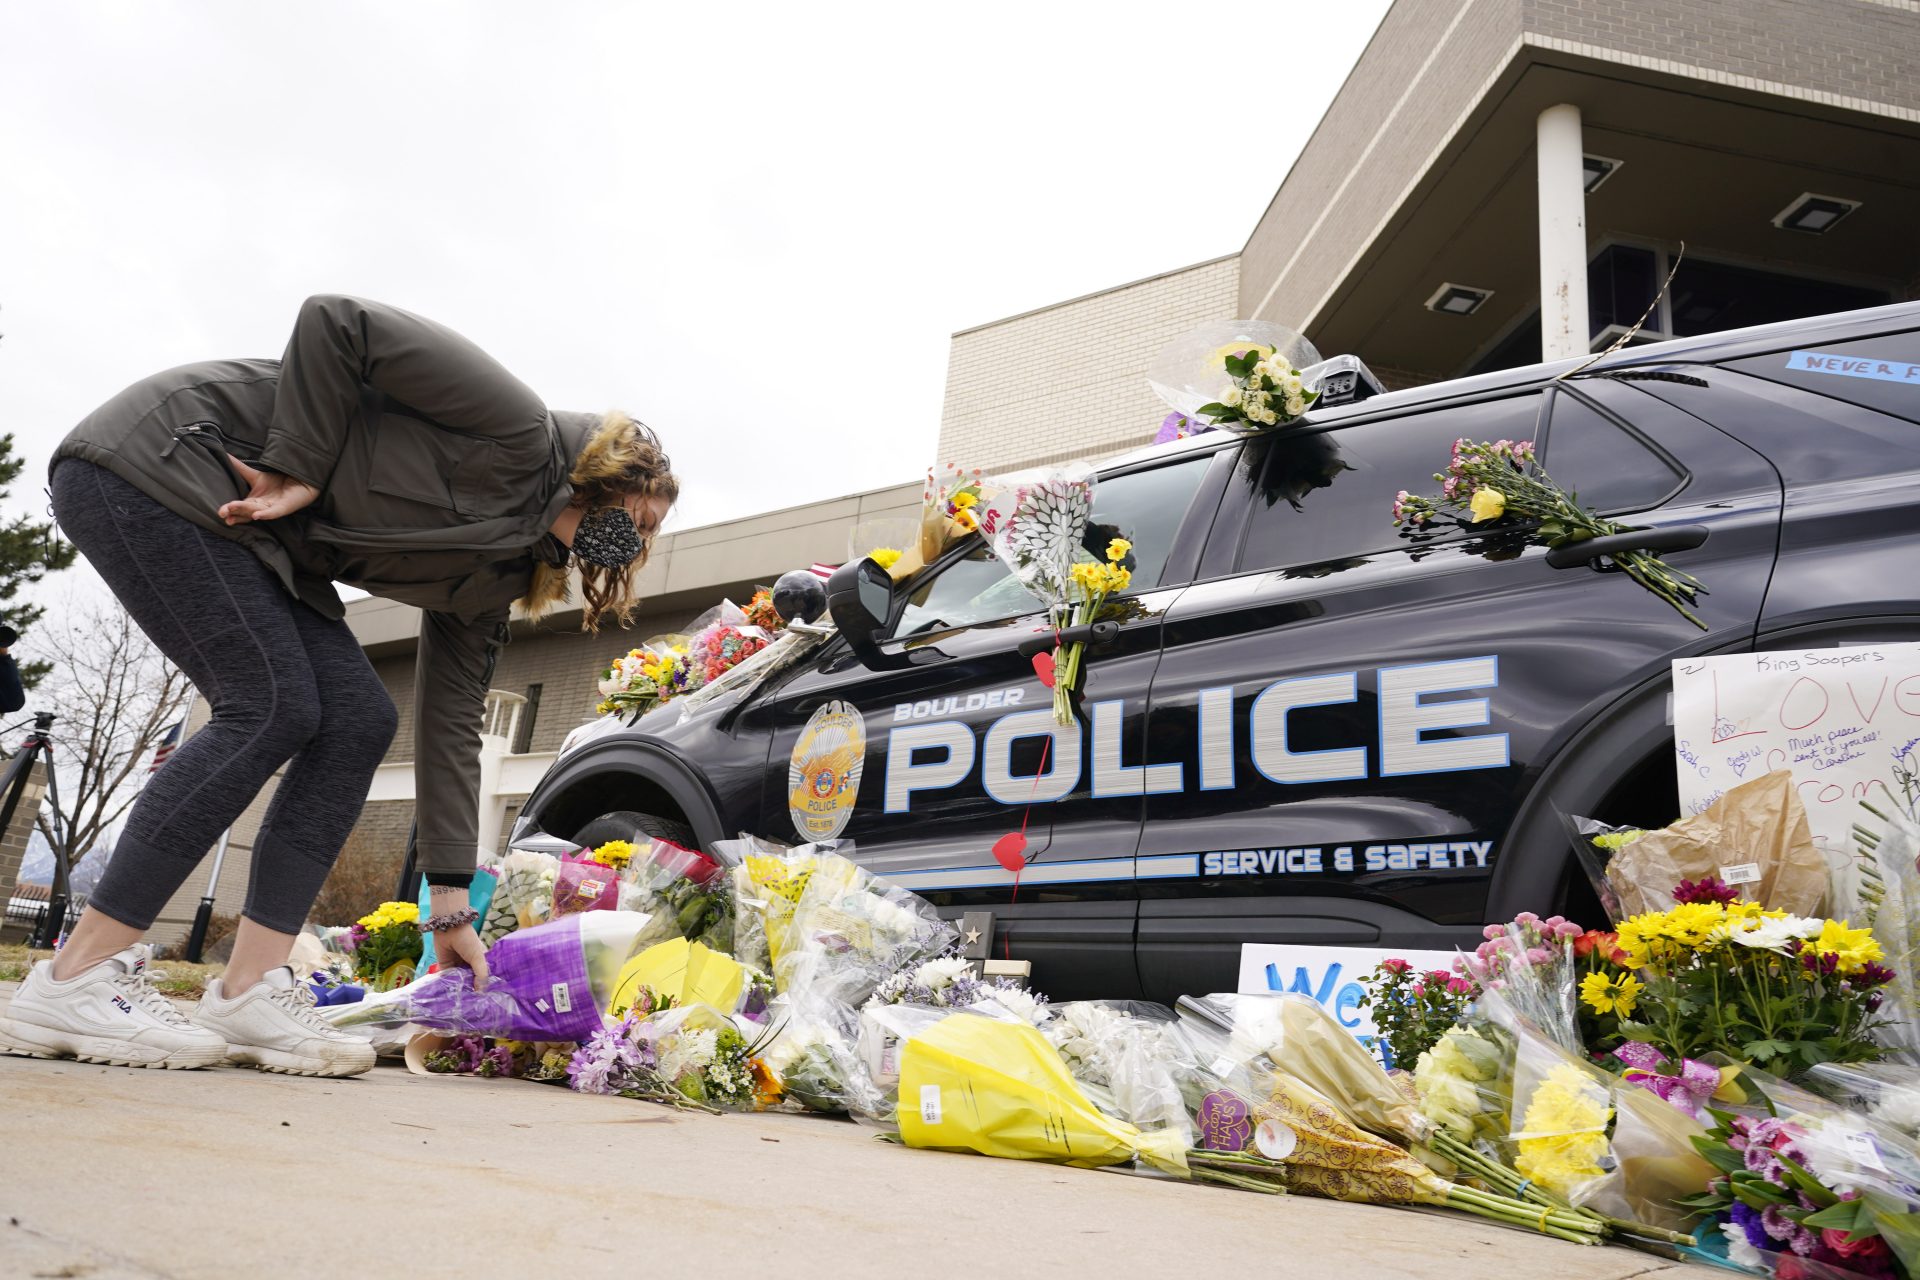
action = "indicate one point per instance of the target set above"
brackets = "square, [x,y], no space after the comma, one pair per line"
[1706,297]
[523,740]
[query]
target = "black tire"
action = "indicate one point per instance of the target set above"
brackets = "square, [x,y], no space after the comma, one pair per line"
[626,824]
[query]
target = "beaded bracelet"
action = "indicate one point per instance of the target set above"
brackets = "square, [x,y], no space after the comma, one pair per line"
[451,920]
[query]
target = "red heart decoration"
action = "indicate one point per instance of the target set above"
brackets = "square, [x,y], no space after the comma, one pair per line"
[1010,850]
[1043,667]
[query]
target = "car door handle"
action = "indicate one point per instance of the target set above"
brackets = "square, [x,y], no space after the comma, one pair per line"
[1675,537]
[1095,633]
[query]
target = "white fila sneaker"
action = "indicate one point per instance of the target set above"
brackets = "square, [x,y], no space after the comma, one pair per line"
[108,1014]
[273,1025]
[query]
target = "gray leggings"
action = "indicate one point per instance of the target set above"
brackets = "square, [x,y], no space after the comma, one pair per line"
[285,684]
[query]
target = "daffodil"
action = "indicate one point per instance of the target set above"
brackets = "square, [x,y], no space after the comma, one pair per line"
[1117,550]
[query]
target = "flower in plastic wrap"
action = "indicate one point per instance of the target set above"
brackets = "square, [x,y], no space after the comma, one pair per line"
[547,983]
[971,1082]
[949,982]
[682,1055]
[1563,1137]
[1460,1083]
[1191,371]
[850,929]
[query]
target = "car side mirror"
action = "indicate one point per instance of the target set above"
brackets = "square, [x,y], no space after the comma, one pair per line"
[860,602]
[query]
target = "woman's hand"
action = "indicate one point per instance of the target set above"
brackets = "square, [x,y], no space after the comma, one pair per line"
[457,948]
[269,496]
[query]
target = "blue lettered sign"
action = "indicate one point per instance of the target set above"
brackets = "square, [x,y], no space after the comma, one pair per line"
[1335,977]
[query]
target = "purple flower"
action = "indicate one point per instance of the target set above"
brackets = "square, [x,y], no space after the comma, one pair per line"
[1706,889]
[1777,1224]
[1875,975]
[1747,1218]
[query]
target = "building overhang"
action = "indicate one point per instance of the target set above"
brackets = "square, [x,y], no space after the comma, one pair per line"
[1699,156]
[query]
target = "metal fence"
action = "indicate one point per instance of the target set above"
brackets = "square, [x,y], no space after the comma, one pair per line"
[33,913]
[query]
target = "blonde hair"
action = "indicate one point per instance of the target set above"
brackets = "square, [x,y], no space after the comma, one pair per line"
[622,458]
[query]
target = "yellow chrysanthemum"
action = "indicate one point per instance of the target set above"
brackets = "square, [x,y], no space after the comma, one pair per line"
[885,557]
[1855,948]
[1604,993]
[1692,924]
[614,853]
[1568,1113]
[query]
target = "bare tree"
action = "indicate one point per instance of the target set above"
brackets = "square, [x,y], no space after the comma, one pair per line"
[116,695]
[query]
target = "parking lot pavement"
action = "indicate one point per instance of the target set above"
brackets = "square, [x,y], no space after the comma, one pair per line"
[115,1173]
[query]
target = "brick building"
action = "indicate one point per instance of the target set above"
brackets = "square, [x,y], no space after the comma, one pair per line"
[1496,181]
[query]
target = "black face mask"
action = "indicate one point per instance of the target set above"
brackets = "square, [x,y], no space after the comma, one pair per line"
[607,536]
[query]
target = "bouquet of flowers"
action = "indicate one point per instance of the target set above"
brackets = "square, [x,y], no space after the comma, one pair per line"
[547,983]
[968,1080]
[524,896]
[1882,890]
[1267,391]
[646,678]
[950,505]
[1529,965]
[813,1056]
[1269,1130]
[1716,975]
[689,1056]
[1413,1010]
[768,880]
[386,945]
[1807,1188]
[1036,529]
[469,1055]
[719,649]
[1130,1060]
[587,882]
[850,929]
[683,891]
[761,613]
[1755,838]
[948,982]
[1091,583]
[1503,478]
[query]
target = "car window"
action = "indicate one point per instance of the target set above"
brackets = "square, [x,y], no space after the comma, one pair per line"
[1874,373]
[1320,496]
[1609,468]
[1144,507]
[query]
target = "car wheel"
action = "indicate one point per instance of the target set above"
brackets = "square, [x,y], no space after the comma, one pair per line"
[626,824]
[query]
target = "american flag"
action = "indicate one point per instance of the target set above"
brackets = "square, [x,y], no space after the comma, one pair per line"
[167,744]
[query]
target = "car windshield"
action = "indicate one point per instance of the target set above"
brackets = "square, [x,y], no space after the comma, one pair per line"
[1144,507]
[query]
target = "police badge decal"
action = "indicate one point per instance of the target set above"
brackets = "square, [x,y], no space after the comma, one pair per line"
[823,777]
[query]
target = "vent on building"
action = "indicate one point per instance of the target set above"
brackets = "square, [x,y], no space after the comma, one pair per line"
[1458,299]
[1596,170]
[1815,215]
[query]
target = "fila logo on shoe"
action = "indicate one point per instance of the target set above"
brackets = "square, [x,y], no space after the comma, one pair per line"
[120,1003]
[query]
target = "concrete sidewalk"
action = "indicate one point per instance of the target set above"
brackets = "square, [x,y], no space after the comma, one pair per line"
[116,1173]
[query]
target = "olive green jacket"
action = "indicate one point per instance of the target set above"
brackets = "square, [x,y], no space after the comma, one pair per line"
[439,476]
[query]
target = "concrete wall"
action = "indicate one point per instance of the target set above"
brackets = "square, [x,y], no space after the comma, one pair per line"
[1425,67]
[1846,52]
[1069,381]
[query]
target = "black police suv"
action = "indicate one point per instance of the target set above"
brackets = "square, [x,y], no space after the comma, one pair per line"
[1310,726]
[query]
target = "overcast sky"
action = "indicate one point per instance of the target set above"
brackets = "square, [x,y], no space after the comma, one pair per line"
[754,226]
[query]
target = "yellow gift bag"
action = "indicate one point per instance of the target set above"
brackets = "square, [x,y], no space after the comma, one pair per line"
[975,1083]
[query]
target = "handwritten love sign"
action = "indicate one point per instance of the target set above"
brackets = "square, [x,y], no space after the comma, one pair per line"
[1846,722]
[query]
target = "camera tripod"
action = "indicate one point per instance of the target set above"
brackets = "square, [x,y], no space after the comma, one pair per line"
[13,786]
